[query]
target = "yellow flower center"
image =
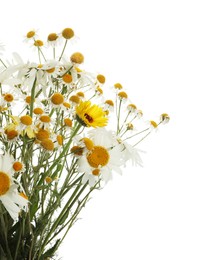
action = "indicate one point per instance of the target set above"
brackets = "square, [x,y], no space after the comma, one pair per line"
[165,117]
[132,107]
[47,144]
[77,150]
[101,78]
[67,33]
[42,134]
[67,78]
[99,156]
[88,143]
[130,126]
[75,99]
[4,183]
[118,86]
[96,172]
[99,90]
[109,102]
[28,99]
[89,118]
[80,94]
[52,37]
[57,99]
[45,119]
[67,105]
[48,179]
[77,57]
[8,97]
[40,66]
[153,123]
[59,139]
[68,122]
[123,95]
[38,111]
[17,166]
[38,43]
[11,134]
[26,120]
[50,70]
[30,34]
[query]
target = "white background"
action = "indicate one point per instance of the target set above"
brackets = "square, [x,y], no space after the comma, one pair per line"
[153,49]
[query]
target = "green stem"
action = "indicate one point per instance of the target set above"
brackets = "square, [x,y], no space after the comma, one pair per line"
[63,50]
[32,96]
[118,116]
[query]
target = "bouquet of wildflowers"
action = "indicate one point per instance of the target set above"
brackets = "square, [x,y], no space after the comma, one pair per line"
[63,134]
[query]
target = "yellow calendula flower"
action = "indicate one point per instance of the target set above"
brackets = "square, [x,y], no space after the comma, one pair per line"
[91,115]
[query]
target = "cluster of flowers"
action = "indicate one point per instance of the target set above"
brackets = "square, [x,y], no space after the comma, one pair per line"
[54,119]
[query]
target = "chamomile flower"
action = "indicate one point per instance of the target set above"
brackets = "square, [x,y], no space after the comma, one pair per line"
[103,157]
[53,39]
[26,126]
[44,121]
[9,195]
[18,166]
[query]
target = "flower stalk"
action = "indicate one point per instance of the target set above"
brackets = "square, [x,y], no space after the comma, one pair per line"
[60,142]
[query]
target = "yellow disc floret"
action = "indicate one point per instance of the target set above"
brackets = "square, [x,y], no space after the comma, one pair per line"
[154,124]
[66,105]
[38,111]
[68,33]
[17,166]
[67,78]
[38,43]
[122,95]
[47,144]
[74,99]
[164,118]
[96,172]
[51,70]
[28,99]
[11,134]
[4,183]
[30,34]
[88,143]
[57,99]
[42,134]
[99,156]
[101,78]
[109,102]
[45,119]
[118,86]
[68,122]
[52,37]
[48,179]
[59,139]
[26,120]
[8,97]
[77,57]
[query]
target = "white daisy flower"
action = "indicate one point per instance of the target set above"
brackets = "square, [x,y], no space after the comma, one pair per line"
[9,195]
[102,158]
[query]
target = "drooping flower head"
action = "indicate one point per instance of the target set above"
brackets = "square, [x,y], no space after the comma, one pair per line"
[91,115]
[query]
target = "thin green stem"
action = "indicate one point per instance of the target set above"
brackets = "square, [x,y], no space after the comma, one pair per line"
[63,50]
